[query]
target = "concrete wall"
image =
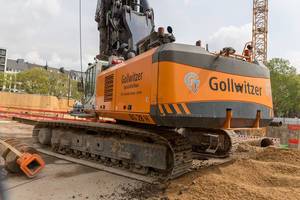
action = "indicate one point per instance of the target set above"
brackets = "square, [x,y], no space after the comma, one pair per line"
[32,101]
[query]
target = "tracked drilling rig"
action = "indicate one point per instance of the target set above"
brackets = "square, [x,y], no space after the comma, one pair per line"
[169,101]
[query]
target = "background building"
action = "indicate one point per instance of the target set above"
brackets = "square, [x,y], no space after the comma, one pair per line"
[19,65]
[3,53]
[13,67]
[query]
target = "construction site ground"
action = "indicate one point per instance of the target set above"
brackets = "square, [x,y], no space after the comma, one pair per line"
[252,173]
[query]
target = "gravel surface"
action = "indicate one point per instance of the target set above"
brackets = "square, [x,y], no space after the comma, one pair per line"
[61,179]
[251,173]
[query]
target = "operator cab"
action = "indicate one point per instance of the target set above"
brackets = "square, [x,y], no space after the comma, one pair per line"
[87,108]
[90,83]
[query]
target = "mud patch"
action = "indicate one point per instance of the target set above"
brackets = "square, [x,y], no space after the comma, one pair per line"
[76,172]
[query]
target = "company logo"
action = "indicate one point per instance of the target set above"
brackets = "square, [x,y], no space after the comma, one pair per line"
[133,77]
[192,81]
[231,85]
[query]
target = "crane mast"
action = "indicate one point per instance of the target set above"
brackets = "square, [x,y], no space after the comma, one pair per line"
[260,30]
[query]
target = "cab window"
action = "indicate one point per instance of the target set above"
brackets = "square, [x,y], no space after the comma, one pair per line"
[90,81]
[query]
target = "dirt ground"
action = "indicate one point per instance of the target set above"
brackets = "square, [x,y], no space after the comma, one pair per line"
[254,173]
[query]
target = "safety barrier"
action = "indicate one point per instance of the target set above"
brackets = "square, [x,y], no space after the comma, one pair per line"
[241,138]
[289,135]
[35,101]
[36,114]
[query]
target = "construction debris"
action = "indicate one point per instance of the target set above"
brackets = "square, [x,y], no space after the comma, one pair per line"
[261,142]
[20,157]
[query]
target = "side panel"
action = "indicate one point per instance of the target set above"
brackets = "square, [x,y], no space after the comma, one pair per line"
[135,81]
[133,86]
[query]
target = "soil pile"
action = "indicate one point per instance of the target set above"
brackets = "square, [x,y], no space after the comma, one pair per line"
[255,173]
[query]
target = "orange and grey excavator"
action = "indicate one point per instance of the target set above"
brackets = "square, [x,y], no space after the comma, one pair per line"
[170,102]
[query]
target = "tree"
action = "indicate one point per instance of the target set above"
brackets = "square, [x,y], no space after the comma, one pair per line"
[41,81]
[75,94]
[1,79]
[281,66]
[7,80]
[285,88]
[34,81]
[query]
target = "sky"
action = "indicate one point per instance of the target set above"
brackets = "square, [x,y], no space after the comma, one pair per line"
[41,31]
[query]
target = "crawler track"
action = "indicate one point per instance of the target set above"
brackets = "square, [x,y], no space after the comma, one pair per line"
[178,153]
[197,164]
[99,166]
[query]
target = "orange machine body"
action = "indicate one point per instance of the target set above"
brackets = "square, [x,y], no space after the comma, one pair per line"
[179,85]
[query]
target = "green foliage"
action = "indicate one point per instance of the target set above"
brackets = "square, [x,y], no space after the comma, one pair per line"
[34,81]
[41,81]
[6,80]
[1,79]
[285,88]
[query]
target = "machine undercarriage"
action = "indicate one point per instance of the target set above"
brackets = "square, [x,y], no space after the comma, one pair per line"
[161,153]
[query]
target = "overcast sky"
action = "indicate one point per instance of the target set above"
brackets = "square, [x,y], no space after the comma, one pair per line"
[47,30]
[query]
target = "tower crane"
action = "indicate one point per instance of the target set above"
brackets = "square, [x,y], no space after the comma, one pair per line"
[260,30]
